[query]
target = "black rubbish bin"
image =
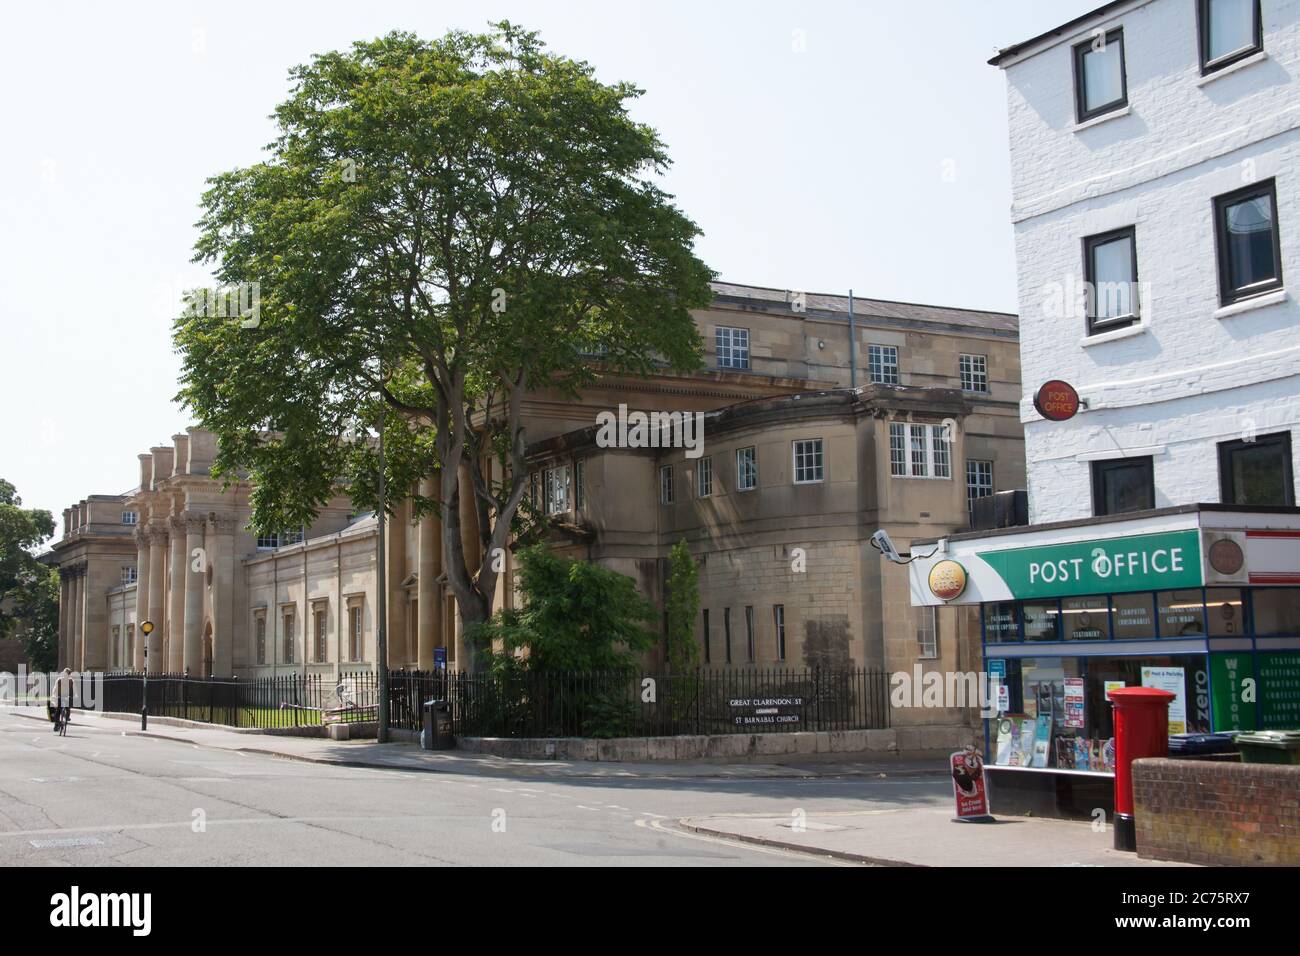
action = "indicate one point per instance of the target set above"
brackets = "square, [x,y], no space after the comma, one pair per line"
[436,734]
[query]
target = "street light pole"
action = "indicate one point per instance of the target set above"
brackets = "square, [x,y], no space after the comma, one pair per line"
[146,628]
[381,601]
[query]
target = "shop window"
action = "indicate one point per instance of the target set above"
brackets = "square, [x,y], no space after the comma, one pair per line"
[1257,471]
[1001,622]
[1122,485]
[1133,616]
[1085,618]
[1182,614]
[1276,611]
[1224,609]
[1040,620]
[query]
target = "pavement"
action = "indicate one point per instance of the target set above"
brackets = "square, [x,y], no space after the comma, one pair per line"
[108,794]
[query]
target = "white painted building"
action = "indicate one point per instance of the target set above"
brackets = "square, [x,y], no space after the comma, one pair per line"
[1157,142]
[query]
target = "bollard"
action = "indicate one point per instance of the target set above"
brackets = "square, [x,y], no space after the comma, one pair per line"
[1141,730]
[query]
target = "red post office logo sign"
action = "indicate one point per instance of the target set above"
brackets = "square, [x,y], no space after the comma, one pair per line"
[1056,401]
[947,580]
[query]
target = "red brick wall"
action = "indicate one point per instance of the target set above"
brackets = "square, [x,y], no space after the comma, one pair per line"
[1212,812]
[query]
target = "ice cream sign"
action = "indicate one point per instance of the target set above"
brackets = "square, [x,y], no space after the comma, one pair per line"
[1144,562]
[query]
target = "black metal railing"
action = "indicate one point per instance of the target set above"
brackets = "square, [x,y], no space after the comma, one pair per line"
[601,704]
[641,704]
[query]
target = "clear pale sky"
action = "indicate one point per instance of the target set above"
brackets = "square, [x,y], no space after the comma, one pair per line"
[874,158]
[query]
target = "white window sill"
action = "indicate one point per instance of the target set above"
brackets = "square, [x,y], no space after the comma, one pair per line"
[1251,60]
[1255,302]
[1104,117]
[1125,333]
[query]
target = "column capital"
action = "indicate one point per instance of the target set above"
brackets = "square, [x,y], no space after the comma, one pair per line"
[176,522]
[224,523]
[196,522]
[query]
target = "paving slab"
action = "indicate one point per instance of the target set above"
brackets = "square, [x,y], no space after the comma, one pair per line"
[925,836]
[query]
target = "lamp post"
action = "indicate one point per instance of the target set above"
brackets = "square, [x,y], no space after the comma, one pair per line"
[381,602]
[146,628]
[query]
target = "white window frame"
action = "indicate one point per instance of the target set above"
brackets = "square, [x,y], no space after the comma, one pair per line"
[977,469]
[974,371]
[817,463]
[882,364]
[130,517]
[927,633]
[935,449]
[555,490]
[742,472]
[731,346]
[704,477]
[665,484]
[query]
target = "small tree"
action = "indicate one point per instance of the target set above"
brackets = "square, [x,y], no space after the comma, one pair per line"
[576,616]
[682,603]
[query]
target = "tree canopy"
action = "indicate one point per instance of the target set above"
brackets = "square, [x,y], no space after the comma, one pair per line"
[439,228]
[28,589]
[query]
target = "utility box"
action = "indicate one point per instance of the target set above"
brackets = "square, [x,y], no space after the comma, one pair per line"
[436,734]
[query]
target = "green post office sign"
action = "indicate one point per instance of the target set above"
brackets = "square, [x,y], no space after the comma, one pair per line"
[1142,562]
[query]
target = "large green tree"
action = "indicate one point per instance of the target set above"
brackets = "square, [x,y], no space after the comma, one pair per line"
[440,227]
[28,589]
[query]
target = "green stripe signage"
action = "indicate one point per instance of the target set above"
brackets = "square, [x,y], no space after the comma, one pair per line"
[1143,562]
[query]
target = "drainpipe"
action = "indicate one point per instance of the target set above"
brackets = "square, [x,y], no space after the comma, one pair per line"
[853,345]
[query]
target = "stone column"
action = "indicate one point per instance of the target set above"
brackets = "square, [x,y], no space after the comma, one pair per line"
[78,618]
[65,616]
[429,590]
[176,596]
[222,556]
[141,596]
[157,535]
[195,582]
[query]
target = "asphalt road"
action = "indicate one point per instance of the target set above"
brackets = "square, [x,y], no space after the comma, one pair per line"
[97,797]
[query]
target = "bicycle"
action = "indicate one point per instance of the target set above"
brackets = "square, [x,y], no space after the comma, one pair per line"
[62,717]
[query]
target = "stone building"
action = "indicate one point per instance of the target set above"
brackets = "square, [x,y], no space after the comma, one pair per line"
[809,446]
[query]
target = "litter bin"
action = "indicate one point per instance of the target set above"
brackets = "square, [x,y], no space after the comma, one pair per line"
[436,734]
[1195,745]
[1270,746]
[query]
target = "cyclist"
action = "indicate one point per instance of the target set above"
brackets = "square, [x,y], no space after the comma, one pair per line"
[63,700]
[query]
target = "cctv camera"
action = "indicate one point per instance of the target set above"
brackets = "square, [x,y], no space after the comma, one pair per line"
[886,547]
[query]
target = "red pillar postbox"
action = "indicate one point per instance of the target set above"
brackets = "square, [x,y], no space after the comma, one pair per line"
[1141,730]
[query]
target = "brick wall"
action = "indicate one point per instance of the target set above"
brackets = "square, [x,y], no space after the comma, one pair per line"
[1217,813]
